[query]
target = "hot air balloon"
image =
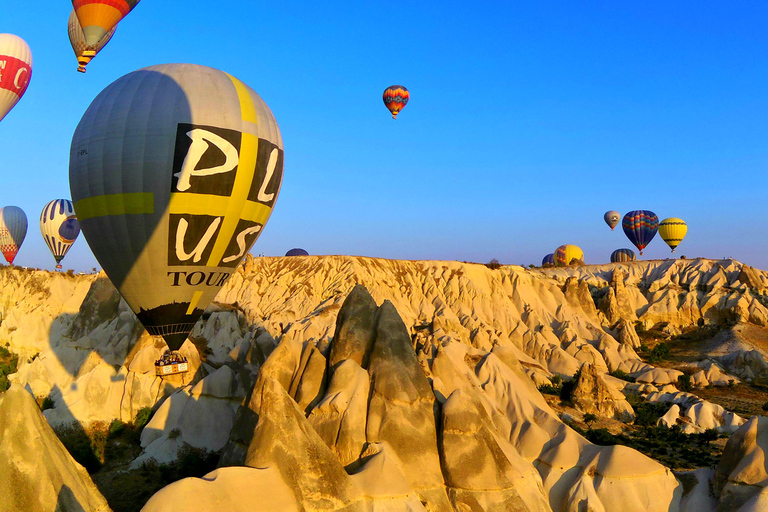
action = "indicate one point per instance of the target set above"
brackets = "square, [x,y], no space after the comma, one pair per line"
[640,226]
[567,253]
[84,52]
[98,17]
[672,231]
[621,255]
[549,259]
[13,229]
[15,71]
[58,224]
[174,170]
[612,218]
[395,98]
[297,252]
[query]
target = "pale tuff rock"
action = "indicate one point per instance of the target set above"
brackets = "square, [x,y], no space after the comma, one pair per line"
[697,494]
[741,474]
[37,474]
[593,394]
[695,416]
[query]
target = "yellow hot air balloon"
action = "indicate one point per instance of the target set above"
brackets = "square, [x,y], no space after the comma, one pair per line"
[567,253]
[672,231]
[98,17]
[174,170]
[84,52]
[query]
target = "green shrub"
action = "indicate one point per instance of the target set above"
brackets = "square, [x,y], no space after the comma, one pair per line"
[684,383]
[47,403]
[142,418]
[493,264]
[4,384]
[116,428]
[589,418]
[548,389]
[648,413]
[619,374]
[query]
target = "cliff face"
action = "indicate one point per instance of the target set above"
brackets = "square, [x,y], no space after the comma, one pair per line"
[428,372]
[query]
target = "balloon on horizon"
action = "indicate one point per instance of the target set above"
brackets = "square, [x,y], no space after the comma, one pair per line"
[395,98]
[98,17]
[15,71]
[297,252]
[84,52]
[170,223]
[621,255]
[640,226]
[672,231]
[567,253]
[549,259]
[612,218]
[13,230]
[59,227]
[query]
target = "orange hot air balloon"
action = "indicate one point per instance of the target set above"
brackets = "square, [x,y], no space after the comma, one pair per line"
[83,52]
[395,98]
[98,17]
[15,70]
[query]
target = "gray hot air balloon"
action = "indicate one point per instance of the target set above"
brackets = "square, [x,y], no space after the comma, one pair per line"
[612,218]
[174,170]
[13,229]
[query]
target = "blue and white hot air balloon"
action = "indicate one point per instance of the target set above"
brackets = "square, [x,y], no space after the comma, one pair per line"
[58,224]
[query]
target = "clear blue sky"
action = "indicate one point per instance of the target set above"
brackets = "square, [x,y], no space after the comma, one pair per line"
[527,120]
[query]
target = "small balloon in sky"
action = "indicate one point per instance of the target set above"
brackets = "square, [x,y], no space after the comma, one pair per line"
[612,218]
[84,52]
[98,17]
[13,229]
[15,71]
[59,227]
[640,226]
[395,99]
[672,231]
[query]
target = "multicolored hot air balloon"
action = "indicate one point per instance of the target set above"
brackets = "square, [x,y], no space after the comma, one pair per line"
[13,229]
[83,51]
[15,71]
[621,255]
[98,17]
[549,259]
[59,227]
[170,222]
[297,252]
[672,231]
[395,98]
[567,253]
[640,226]
[612,218]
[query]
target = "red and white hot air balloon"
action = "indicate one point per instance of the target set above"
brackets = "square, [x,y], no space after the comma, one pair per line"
[15,71]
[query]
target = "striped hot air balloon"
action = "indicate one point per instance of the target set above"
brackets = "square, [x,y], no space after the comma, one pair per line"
[549,259]
[98,17]
[84,52]
[395,98]
[13,229]
[567,253]
[59,227]
[621,255]
[15,71]
[640,226]
[672,231]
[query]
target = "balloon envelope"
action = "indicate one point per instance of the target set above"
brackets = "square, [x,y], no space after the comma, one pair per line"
[640,226]
[395,98]
[672,231]
[97,17]
[59,227]
[15,71]
[620,255]
[612,218]
[174,170]
[567,253]
[549,259]
[13,229]
[84,52]
[297,252]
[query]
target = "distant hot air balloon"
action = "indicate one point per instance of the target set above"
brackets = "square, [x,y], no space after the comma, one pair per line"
[59,227]
[640,226]
[13,229]
[672,231]
[395,98]
[567,253]
[612,218]
[98,17]
[174,170]
[84,52]
[297,252]
[549,259]
[15,71]
[621,255]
